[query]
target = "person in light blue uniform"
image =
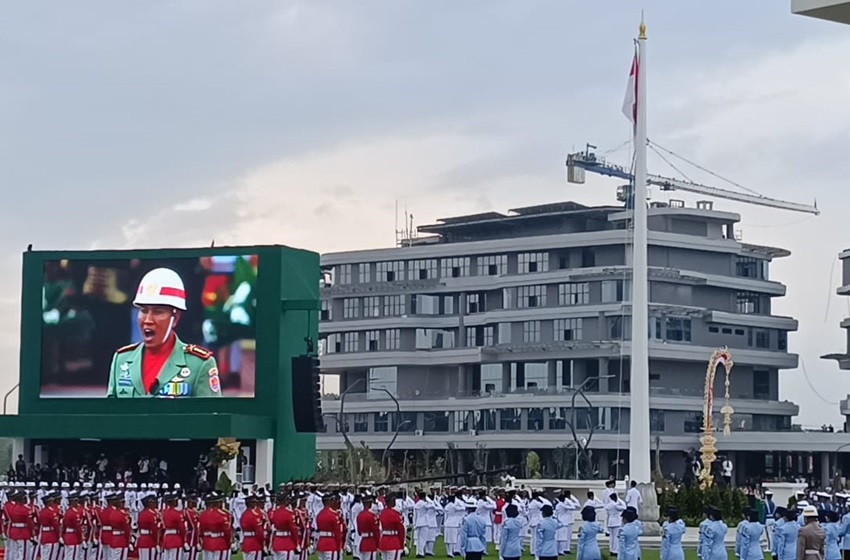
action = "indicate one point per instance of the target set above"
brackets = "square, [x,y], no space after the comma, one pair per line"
[749,537]
[739,535]
[671,536]
[844,530]
[779,521]
[715,537]
[473,534]
[547,529]
[832,527]
[702,549]
[588,547]
[629,533]
[786,537]
[510,538]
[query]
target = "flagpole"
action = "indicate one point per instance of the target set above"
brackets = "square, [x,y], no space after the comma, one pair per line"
[639,436]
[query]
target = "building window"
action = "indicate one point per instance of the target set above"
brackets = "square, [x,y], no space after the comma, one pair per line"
[614,291]
[382,421]
[350,308]
[531,331]
[574,293]
[567,330]
[535,419]
[391,271]
[424,269]
[531,296]
[656,420]
[761,384]
[334,343]
[326,311]
[492,265]
[510,419]
[393,339]
[342,274]
[393,306]
[454,267]
[404,422]
[425,305]
[678,329]
[748,303]
[533,262]
[449,305]
[361,423]
[693,422]
[750,267]
[782,340]
[762,338]
[373,339]
[489,335]
[436,422]
[350,342]
[471,337]
[474,303]
[365,273]
[372,306]
[558,418]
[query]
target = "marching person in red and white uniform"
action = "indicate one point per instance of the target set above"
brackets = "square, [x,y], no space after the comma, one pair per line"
[104,522]
[149,525]
[49,519]
[122,527]
[173,530]
[286,538]
[215,526]
[329,530]
[193,528]
[252,524]
[392,533]
[20,528]
[73,529]
[368,529]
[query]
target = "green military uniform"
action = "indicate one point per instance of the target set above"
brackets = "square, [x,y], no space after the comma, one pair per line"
[190,371]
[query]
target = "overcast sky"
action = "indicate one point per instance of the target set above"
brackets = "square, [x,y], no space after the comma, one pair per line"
[171,123]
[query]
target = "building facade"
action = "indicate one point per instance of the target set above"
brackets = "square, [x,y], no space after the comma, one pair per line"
[496,334]
[843,358]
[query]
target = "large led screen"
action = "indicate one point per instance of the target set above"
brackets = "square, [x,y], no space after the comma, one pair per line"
[149,328]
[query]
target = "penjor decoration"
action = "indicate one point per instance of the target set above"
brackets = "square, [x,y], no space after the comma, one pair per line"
[709,447]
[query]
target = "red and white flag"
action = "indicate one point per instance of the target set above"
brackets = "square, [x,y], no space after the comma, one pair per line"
[630,103]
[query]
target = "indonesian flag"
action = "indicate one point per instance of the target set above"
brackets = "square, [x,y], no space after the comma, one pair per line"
[631,100]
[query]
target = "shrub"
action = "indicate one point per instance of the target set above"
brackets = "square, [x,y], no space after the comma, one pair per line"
[692,501]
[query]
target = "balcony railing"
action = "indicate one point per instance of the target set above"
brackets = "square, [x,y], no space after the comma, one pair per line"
[537,391]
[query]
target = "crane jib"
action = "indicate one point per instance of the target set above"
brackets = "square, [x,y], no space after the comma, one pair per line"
[588,161]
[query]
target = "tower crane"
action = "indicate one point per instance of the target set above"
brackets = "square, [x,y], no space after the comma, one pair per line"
[579,162]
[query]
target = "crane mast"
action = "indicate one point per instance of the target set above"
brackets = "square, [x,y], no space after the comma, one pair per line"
[579,162]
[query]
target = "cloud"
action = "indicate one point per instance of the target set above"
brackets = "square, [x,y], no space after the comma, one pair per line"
[194,205]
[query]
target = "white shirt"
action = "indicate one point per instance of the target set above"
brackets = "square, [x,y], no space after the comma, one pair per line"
[614,509]
[634,499]
[565,511]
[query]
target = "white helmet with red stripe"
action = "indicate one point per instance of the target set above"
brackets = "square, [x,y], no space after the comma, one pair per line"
[161,286]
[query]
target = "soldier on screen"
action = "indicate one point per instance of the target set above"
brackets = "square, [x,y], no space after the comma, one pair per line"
[162,365]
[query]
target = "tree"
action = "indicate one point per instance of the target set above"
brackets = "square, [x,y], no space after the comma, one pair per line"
[532,465]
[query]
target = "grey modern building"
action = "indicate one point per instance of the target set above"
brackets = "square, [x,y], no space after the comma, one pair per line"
[843,358]
[484,327]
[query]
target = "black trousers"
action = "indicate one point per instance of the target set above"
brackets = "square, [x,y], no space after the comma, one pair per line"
[474,555]
[548,558]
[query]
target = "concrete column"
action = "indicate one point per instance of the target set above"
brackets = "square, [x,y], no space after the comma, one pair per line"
[824,470]
[604,383]
[264,470]
[39,455]
[552,374]
[19,448]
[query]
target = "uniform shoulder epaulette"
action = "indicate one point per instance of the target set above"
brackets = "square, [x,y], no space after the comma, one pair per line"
[199,351]
[127,348]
